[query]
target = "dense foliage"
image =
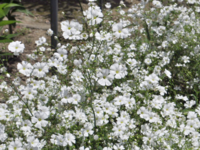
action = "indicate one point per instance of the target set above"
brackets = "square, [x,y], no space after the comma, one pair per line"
[129,82]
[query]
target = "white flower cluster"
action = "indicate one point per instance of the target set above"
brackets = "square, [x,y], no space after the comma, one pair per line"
[130,84]
[94,15]
[71,29]
[16,47]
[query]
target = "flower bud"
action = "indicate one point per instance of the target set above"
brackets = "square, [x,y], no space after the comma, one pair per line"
[96,137]
[55,37]
[108,5]
[8,75]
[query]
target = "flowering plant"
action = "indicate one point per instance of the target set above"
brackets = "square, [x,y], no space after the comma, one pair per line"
[127,84]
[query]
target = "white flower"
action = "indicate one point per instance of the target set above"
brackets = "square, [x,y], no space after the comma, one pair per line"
[77,62]
[6,30]
[84,36]
[161,89]
[122,12]
[132,47]
[71,30]
[33,141]
[41,41]
[42,49]
[108,5]
[38,118]
[118,71]
[8,75]
[16,47]
[94,15]
[191,1]
[49,32]
[190,103]
[15,145]
[149,22]
[25,68]
[87,129]
[40,69]
[68,139]
[147,61]
[44,110]
[77,75]
[152,117]
[118,147]
[65,95]
[165,44]
[131,62]
[153,78]
[26,125]
[157,70]
[119,31]
[120,100]
[186,59]
[82,148]
[29,91]
[165,61]
[3,69]
[61,53]
[76,99]
[168,109]
[157,4]
[122,121]
[143,112]
[105,77]
[2,128]
[168,73]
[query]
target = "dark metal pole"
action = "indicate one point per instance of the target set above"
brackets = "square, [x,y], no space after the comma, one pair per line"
[101,4]
[54,22]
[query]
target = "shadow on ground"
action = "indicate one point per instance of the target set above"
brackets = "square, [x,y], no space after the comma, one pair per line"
[68,6]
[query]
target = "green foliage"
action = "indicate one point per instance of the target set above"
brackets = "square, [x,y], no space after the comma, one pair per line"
[6,10]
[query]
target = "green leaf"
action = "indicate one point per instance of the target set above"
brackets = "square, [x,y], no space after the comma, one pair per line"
[185,111]
[12,5]
[6,54]
[11,36]
[3,5]
[5,40]
[6,22]
[23,10]
[99,148]
[6,10]
[2,14]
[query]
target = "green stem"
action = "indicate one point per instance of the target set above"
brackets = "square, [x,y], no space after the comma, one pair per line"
[86,25]
[147,31]
[21,99]
[10,25]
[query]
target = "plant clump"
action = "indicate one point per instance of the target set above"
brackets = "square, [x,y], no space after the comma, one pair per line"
[131,83]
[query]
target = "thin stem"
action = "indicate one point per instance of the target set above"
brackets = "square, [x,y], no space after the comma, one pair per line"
[21,99]
[147,31]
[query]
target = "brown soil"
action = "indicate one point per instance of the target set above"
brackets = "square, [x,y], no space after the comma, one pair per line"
[34,27]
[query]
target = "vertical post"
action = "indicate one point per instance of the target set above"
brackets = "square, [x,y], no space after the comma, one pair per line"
[54,22]
[101,4]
